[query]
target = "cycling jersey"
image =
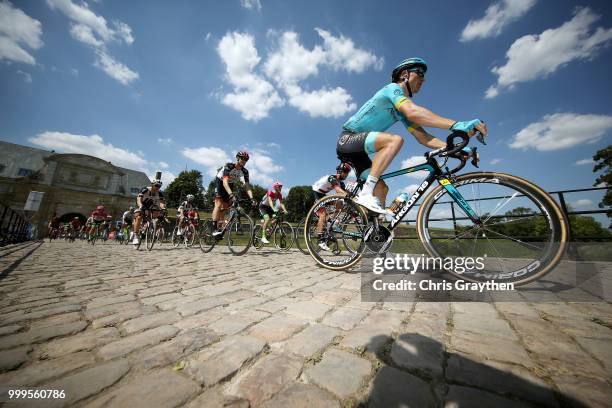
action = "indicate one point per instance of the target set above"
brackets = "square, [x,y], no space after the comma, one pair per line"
[187,206]
[380,112]
[327,183]
[273,195]
[99,215]
[147,193]
[76,224]
[128,217]
[232,173]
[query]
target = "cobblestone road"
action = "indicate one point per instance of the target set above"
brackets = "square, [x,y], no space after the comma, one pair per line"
[174,327]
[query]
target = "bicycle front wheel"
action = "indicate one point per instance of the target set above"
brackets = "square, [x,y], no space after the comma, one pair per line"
[150,235]
[522,234]
[257,237]
[205,236]
[300,240]
[240,234]
[283,236]
[333,219]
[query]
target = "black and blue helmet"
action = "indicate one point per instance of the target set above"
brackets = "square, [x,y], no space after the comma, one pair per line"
[408,64]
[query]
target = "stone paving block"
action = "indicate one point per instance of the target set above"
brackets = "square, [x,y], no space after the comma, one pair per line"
[128,344]
[109,300]
[246,303]
[86,340]
[25,305]
[13,358]
[189,309]
[153,300]
[10,329]
[223,359]
[340,372]
[98,312]
[148,321]
[500,378]
[466,397]
[145,391]
[46,370]
[173,350]
[116,318]
[42,334]
[273,306]
[374,332]
[201,319]
[345,317]
[333,296]
[236,322]
[413,351]
[301,395]
[87,383]
[39,314]
[434,328]
[488,326]
[277,328]
[55,320]
[159,290]
[214,398]
[310,340]
[266,377]
[308,310]
[491,348]
[394,388]
[576,390]
[601,349]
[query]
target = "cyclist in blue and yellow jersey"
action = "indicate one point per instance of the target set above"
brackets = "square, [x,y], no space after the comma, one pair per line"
[365,132]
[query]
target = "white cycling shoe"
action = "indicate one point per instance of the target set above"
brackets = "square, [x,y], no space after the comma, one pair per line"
[324,246]
[135,241]
[265,240]
[371,203]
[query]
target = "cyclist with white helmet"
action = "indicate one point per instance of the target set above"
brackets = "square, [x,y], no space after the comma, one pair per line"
[149,199]
[187,209]
[267,206]
[365,132]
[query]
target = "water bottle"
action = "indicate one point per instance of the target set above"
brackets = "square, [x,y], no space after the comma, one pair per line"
[399,202]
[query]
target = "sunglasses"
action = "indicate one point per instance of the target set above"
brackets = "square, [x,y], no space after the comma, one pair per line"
[419,72]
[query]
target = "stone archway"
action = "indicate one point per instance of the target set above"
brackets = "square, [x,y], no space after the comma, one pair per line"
[70,216]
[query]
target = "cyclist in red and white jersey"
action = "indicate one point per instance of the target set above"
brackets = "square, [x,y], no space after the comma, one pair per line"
[186,209]
[267,206]
[149,199]
[224,185]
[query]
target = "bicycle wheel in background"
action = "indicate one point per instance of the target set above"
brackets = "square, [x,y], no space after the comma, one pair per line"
[283,236]
[522,236]
[190,236]
[150,235]
[206,241]
[93,236]
[343,219]
[240,234]
[257,237]
[298,236]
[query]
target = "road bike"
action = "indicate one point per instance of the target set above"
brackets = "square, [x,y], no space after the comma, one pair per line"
[95,232]
[514,226]
[238,229]
[149,229]
[280,230]
[188,233]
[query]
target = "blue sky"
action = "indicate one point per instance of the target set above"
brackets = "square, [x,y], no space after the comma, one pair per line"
[175,85]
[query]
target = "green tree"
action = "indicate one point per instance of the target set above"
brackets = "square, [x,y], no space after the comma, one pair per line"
[603,161]
[187,182]
[209,196]
[298,202]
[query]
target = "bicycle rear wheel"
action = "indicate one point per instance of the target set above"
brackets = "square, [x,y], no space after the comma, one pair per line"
[240,234]
[151,235]
[176,238]
[257,237]
[205,236]
[522,235]
[300,241]
[283,236]
[344,219]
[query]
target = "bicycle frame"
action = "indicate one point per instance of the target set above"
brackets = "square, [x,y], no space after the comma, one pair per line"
[435,173]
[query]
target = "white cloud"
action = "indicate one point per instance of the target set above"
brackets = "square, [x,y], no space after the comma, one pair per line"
[561,131]
[91,29]
[18,30]
[114,68]
[494,161]
[251,4]
[535,56]
[252,95]
[167,141]
[497,17]
[287,64]
[92,145]
[274,145]
[163,165]
[583,202]
[410,189]
[210,157]
[26,77]
[582,162]
[262,168]
[414,161]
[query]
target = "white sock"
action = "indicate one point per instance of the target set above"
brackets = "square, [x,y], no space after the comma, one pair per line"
[368,186]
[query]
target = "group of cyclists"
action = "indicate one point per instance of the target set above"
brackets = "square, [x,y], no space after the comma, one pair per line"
[363,134]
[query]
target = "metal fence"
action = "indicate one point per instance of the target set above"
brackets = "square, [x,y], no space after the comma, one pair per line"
[14,227]
[562,202]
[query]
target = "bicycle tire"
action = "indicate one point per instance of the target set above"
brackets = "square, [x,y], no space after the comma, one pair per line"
[206,241]
[257,244]
[190,238]
[239,239]
[175,237]
[300,240]
[546,215]
[283,236]
[150,235]
[351,210]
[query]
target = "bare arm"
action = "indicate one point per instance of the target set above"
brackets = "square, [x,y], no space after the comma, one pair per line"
[426,139]
[226,186]
[423,116]
[249,190]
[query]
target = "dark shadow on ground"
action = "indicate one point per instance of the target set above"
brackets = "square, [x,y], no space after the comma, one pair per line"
[458,382]
[10,268]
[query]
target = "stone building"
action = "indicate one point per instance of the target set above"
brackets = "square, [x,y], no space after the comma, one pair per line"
[73,184]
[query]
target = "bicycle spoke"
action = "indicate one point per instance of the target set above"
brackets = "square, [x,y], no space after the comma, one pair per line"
[518,241]
[499,207]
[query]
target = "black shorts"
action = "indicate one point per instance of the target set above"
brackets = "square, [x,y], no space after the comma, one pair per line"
[317,195]
[351,149]
[266,210]
[220,190]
